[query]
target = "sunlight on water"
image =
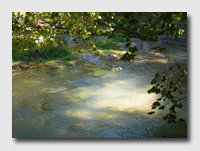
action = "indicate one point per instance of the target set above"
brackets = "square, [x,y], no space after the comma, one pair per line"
[91,102]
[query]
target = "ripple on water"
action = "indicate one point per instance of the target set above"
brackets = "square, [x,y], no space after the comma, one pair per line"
[91,102]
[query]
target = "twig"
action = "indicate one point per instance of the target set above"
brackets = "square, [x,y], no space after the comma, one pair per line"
[181,99]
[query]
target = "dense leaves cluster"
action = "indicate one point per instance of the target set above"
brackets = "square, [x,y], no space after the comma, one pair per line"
[44,28]
[169,87]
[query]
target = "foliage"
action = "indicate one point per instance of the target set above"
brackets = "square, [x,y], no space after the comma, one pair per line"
[44,29]
[119,39]
[56,55]
[168,87]
[46,54]
[112,51]
[106,44]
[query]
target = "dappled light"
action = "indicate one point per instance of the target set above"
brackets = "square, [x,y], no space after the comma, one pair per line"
[87,101]
[99,75]
[89,115]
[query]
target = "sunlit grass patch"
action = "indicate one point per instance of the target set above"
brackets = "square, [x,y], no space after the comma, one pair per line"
[103,42]
[53,62]
[112,51]
[106,44]
[16,63]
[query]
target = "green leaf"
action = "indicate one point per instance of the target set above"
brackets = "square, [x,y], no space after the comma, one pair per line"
[170,97]
[159,99]
[165,117]
[133,49]
[154,89]
[106,66]
[161,49]
[128,44]
[170,68]
[148,20]
[128,57]
[126,14]
[153,26]
[131,57]
[156,104]
[154,81]
[180,106]
[151,90]
[171,121]
[125,56]
[156,14]
[165,73]
[154,48]
[150,113]
[164,79]
[162,107]
[174,89]
[156,38]
[176,17]
[172,109]
[157,75]
[181,120]
[183,71]
[110,36]
[148,38]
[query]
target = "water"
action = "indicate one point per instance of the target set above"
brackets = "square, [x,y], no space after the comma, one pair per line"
[91,101]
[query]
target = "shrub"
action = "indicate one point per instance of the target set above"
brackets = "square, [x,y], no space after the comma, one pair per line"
[41,55]
[106,44]
[119,39]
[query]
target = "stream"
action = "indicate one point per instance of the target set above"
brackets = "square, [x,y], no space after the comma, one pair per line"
[92,101]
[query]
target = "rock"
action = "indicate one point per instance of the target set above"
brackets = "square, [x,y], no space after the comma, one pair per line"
[69,39]
[92,59]
[111,56]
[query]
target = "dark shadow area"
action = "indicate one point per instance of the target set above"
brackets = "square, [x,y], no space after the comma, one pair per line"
[189,82]
[104,140]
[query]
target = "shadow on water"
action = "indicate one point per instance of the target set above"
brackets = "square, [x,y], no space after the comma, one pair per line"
[93,102]
[86,102]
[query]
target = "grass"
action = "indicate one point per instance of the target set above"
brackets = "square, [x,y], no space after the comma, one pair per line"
[119,39]
[63,56]
[112,51]
[54,56]
[106,44]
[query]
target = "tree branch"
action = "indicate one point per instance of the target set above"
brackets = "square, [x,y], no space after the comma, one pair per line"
[181,99]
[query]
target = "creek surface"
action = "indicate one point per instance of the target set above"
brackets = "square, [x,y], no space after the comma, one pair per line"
[92,101]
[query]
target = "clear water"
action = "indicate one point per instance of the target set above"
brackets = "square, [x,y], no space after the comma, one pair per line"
[92,101]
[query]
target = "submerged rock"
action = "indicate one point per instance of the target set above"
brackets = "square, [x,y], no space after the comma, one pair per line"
[92,59]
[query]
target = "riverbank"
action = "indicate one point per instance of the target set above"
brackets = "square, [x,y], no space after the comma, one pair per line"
[57,57]
[75,54]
